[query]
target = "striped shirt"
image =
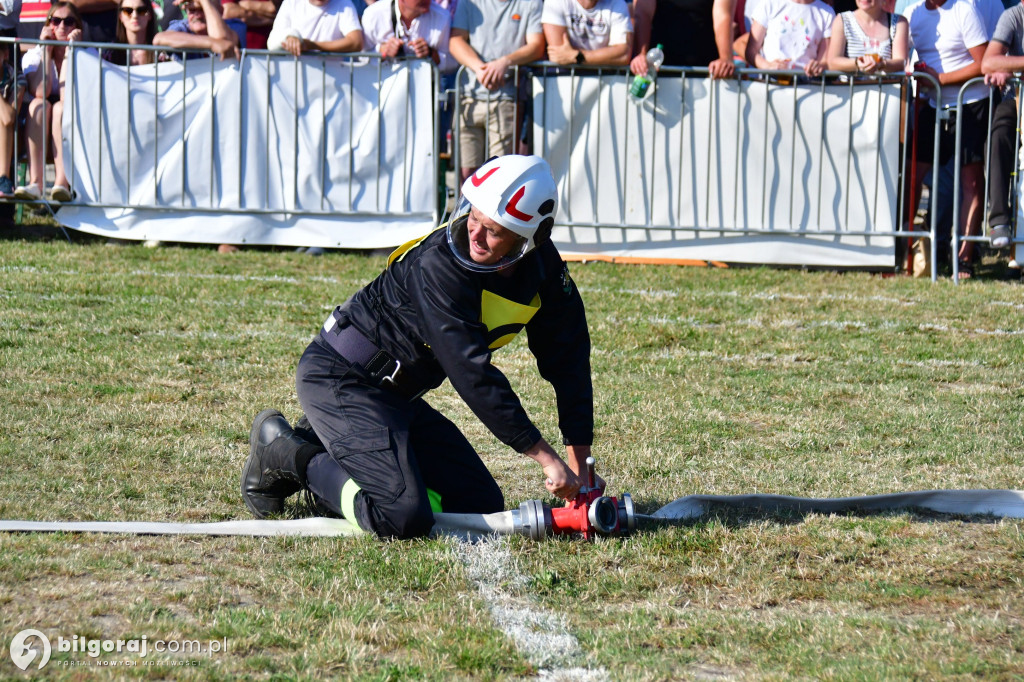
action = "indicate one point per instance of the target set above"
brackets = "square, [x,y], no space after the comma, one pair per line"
[859,44]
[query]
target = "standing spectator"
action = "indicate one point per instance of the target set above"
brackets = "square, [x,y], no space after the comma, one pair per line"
[12,89]
[414,28]
[790,34]
[31,19]
[44,70]
[950,39]
[325,25]
[488,38]
[136,25]
[1004,55]
[691,33]
[203,28]
[258,17]
[588,31]
[10,11]
[99,19]
[868,40]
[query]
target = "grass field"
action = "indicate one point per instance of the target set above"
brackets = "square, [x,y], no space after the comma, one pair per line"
[128,379]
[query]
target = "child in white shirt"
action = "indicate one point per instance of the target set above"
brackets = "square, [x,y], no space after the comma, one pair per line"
[790,34]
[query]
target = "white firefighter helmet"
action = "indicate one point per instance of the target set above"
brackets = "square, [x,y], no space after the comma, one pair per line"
[518,193]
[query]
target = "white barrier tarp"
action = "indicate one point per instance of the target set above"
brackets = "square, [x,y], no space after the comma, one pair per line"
[350,142]
[730,154]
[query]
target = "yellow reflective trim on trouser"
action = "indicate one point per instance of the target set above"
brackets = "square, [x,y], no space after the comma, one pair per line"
[435,500]
[348,502]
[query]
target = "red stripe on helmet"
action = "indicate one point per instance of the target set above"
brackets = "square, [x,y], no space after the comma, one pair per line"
[478,180]
[515,212]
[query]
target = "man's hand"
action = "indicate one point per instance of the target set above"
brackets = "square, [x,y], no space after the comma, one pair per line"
[389,48]
[294,45]
[639,65]
[563,53]
[492,74]
[225,48]
[578,463]
[921,67]
[419,47]
[722,68]
[998,79]
[560,480]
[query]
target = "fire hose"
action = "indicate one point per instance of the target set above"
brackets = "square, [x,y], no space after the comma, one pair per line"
[590,514]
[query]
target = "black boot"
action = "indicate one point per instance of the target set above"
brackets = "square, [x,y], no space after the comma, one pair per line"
[276,467]
[304,430]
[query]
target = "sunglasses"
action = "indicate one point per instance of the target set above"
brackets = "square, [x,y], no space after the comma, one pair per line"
[137,11]
[67,21]
[195,11]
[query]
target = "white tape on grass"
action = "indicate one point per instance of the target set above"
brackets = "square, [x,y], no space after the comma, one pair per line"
[542,637]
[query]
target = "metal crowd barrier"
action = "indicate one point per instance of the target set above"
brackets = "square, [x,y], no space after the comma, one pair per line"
[198,61]
[618,78]
[707,216]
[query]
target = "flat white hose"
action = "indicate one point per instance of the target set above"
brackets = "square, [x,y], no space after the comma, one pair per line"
[1000,503]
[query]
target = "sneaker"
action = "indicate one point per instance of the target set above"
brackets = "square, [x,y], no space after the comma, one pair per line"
[314,251]
[60,194]
[29,192]
[152,243]
[6,187]
[999,236]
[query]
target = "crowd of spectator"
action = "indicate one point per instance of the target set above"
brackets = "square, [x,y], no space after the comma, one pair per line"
[954,41]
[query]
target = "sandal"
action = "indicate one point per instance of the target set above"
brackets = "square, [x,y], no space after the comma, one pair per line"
[965,268]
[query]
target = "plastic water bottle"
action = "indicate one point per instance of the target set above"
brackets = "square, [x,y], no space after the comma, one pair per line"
[642,86]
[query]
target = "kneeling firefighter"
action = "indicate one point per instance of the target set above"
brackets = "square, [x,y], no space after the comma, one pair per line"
[369,447]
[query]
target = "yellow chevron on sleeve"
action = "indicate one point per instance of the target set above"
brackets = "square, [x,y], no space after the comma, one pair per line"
[497,312]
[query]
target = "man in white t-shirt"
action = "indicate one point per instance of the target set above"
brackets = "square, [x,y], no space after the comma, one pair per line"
[587,31]
[790,34]
[416,28]
[324,25]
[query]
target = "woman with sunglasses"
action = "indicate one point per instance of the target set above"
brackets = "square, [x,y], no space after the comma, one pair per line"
[44,68]
[136,25]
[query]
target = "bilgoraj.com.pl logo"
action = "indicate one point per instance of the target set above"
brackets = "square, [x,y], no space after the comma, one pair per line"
[32,648]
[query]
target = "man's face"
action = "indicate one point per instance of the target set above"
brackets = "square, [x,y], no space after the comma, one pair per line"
[413,8]
[489,242]
[196,17]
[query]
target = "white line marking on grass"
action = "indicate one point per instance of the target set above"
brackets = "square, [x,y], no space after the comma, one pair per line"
[789,359]
[543,638]
[177,275]
[799,324]
[758,296]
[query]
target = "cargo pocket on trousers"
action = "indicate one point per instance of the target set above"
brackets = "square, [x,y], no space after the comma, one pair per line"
[369,458]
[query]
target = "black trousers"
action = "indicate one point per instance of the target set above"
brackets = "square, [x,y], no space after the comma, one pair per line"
[392,448]
[1003,152]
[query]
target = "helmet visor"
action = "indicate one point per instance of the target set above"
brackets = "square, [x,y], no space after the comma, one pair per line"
[475,249]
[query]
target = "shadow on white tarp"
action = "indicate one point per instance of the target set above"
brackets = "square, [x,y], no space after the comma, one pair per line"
[337,152]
